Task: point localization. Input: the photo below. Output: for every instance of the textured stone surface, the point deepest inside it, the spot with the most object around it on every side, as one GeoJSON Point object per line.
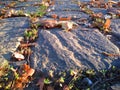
{"type": "Point", "coordinates": [57, 49]}
{"type": "Point", "coordinates": [10, 30]}
{"type": "Point", "coordinates": [80, 48]}
{"type": "Point", "coordinates": [115, 25]}
{"type": "Point", "coordinates": [77, 49]}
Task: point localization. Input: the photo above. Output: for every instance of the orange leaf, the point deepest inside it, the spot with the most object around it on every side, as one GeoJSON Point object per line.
{"type": "Point", "coordinates": [65, 18]}
{"type": "Point", "coordinates": [26, 67]}
{"type": "Point", "coordinates": [18, 85]}
{"type": "Point", "coordinates": [30, 72]}
{"type": "Point", "coordinates": [107, 24]}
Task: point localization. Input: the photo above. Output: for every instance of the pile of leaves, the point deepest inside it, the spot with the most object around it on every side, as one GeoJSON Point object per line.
{"type": "Point", "coordinates": [16, 78]}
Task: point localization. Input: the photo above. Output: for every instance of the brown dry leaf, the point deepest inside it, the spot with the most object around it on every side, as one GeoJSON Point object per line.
{"type": "Point", "coordinates": [67, 25]}
{"type": "Point", "coordinates": [28, 71]}
{"type": "Point", "coordinates": [18, 85]}
{"type": "Point", "coordinates": [97, 15]}
{"type": "Point", "coordinates": [65, 18]}
{"type": "Point", "coordinates": [27, 44]}
{"type": "Point", "coordinates": [26, 67]}
{"type": "Point", "coordinates": [48, 23]}
{"type": "Point", "coordinates": [23, 79]}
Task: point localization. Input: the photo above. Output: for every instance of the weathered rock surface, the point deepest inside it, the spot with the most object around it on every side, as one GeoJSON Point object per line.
{"type": "Point", "coordinates": [115, 25]}
{"type": "Point", "coordinates": [57, 49]}
{"type": "Point", "coordinates": [10, 30]}
{"type": "Point", "coordinates": [80, 48]}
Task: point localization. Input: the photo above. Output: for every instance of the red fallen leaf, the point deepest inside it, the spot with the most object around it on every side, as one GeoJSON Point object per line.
{"type": "Point", "coordinates": [41, 83]}
{"type": "Point", "coordinates": [18, 56]}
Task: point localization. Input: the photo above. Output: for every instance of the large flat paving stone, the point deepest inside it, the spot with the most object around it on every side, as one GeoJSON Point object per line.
{"type": "Point", "coordinates": [10, 30]}
{"type": "Point", "coordinates": [81, 48]}
{"type": "Point", "coordinates": [115, 25]}
{"type": "Point", "coordinates": [59, 50]}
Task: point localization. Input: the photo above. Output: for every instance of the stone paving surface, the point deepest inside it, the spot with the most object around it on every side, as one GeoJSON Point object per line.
{"type": "Point", "coordinates": [80, 48]}
{"type": "Point", "coordinates": [10, 30]}
{"type": "Point", "coordinates": [57, 49]}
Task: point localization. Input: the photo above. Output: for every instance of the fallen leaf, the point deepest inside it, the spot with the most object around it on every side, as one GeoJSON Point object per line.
{"type": "Point", "coordinates": [18, 56]}
{"type": "Point", "coordinates": [106, 26]}
{"type": "Point", "coordinates": [97, 15]}
{"type": "Point", "coordinates": [64, 18]}
{"type": "Point", "coordinates": [67, 25]}
{"type": "Point", "coordinates": [30, 72]}
{"type": "Point", "coordinates": [18, 85]}
{"type": "Point", "coordinates": [27, 44]}
{"type": "Point", "coordinates": [26, 67]}
{"type": "Point", "coordinates": [48, 23]}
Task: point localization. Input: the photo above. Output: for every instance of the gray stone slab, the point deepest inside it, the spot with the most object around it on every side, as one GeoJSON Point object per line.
{"type": "Point", "coordinates": [10, 30]}
{"type": "Point", "coordinates": [115, 26]}
{"type": "Point", "coordinates": [77, 49]}
{"type": "Point", "coordinates": [59, 50]}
